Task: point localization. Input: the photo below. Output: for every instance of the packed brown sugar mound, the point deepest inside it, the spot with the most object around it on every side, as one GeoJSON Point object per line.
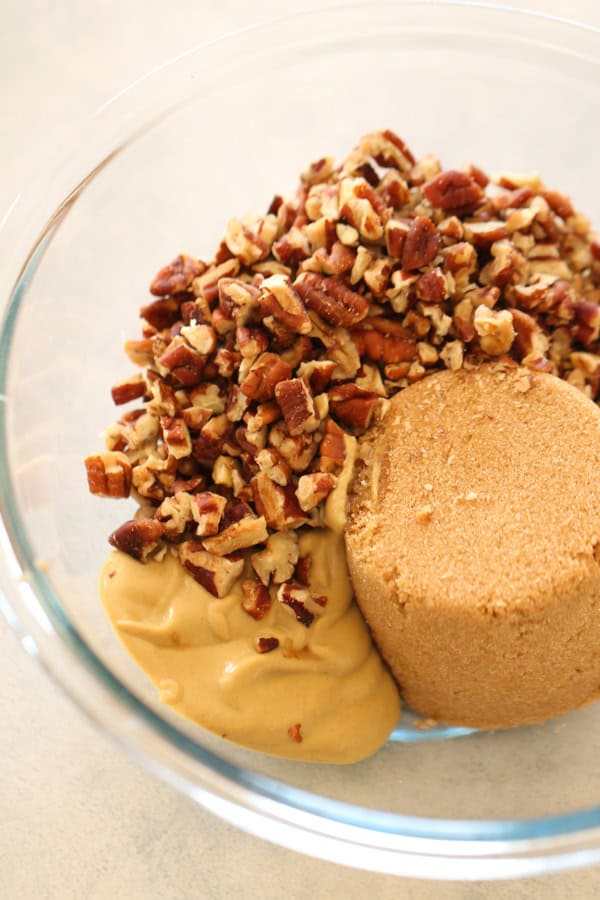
{"type": "Point", "coordinates": [474, 545]}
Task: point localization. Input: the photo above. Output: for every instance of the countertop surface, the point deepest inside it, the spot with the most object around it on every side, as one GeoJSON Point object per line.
{"type": "Point", "coordinates": [78, 819]}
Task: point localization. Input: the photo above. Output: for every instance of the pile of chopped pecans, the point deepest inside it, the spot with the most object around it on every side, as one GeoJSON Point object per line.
{"type": "Point", "coordinates": [261, 365]}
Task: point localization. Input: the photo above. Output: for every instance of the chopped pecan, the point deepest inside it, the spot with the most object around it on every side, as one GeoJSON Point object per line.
{"type": "Point", "coordinates": [217, 574]}
{"type": "Point", "coordinates": [421, 244]}
{"type": "Point", "coordinates": [302, 570]}
{"type": "Point", "coordinates": [207, 510]}
{"type": "Point", "coordinates": [299, 601]}
{"type": "Point", "coordinates": [256, 599]}
{"type": "Point", "coordinates": [295, 732]}
{"type": "Point", "coordinates": [495, 330]}
{"type": "Point", "coordinates": [353, 405]}
{"type": "Point", "coordinates": [292, 248]}
{"type": "Point", "coordinates": [161, 314]}
{"type": "Point", "coordinates": [243, 243]}
{"type": "Point", "coordinates": [271, 463]}
{"type": "Point", "coordinates": [130, 389]}
{"type": "Point", "coordinates": [266, 644]}
{"type": "Point", "coordinates": [177, 276]}
{"type": "Point", "coordinates": [297, 450]}
{"type": "Point", "coordinates": [175, 513]}
{"type": "Point", "coordinates": [268, 370]}
{"type": "Point", "coordinates": [384, 347]}
{"type": "Point", "coordinates": [362, 208]}
{"type": "Point", "coordinates": [140, 352]}
{"type": "Point", "coordinates": [279, 299]}
{"type": "Point", "coordinates": [247, 532]}
{"type": "Point", "coordinates": [453, 190]}
{"type": "Point", "coordinates": [277, 504]}
{"type": "Point", "coordinates": [431, 287]}
{"type": "Point", "coordinates": [201, 337]}
{"type": "Point", "coordinates": [313, 488]}
{"type": "Point", "coordinates": [176, 436]}
{"type": "Point", "coordinates": [237, 299]}
{"type": "Point", "coordinates": [507, 266]}
{"type": "Point", "coordinates": [529, 338]}
{"type": "Point", "coordinates": [138, 538]}
{"type": "Point", "coordinates": [317, 373]}
{"type": "Point", "coordinates": [109, 474]}
{"type": "Point", "coordinates": [207, 284]}
{"type": "Point", "coordinates": [332, 300]}
{"type": "Point", "coordinates": [332, 450]}
{"type": "Point", "coordinates": [587, 321]}
{"type": "Point", "coordinates": [278, 560]}
{"type": "Point", "coordinates": [185, 364]}
{"type": "Point", "coordinates": [296, 403]}
{"type": "Point", "coordinates": [212, 436]}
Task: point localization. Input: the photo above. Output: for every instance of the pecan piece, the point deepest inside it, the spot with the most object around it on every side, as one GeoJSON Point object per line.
{"type": "Point", "coordinates": [140, 352]}
{"type": "Point", "coordinates": [109, 474]}
{"type": "Point", "coordinates": [201, 337]}
{"type": "Point", "coordinates": [176, 436]}
{"type": "Point", "coordinates": [495, 330]}
{"type": "Point", "coordinates": [362, 208]}
{"type": "Point", "coordinates": [353, 405]}
{"type": "Point", "coordinates": [256, 599]}
{"type": "Point", "coordinates": [213, 435]}
{"type": "Point", "coordinates": [184, 364]}
{"type": "Point", "coordinates": [247, 246]}
{"type": "Point", "coordinates": [130, 389]}
{"type": "Point", "coordinates": [161, 314]}
{"type": "Point", "coordinates": [267, 371]}
{"type": "Point", "coordinates": [331, 299]}
{"type": "Point", "coordinates": [279, 299]}
{"type": "Point", "coordinates": [266, 644]}
{"type": "Point", "coordinates": [271, 463]}
{"type": "Point", "coordinates": [296, 403]}
{"type": "Point", "coordinates": [298, 600]}
{"type": "Point", "coordinates": [207, 284]}
{"type": "Point", "coordinates": [277, 504]}
{"type": "Point", "coordinates": [138, 538]}
{"type": "Point", "coordinates": [237, 299]}
{"type": "Point", "coordinates": [207, 509]}
{"type": "Point", "coordinates": [431, 287]}
{"type": "Point", "coordinates": [278, 560]}
{"type": "Point", "coordinates": [247, 532]}
{"type": "Point", "coordinates": [453, 190]}
{"type": "Point", "coordinates": [421, 244]}
{"type": "Point", "coordinates": [177, 276]}
{"type": "Point", "coordinates": [332, 449]}
{"type": "Point", "coordinates": [313, 488]}
{"type": "Point", "coordinates": [217, 574]}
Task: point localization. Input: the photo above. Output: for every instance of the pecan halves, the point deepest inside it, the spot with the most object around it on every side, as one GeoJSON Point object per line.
{"type": "Point", "coordinates": [109, 474]}
{"type": "Point", "coordinates": [331, 299]}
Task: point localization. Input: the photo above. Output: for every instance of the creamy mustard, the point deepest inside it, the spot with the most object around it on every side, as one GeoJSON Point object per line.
{"type": "Point", "coordinates": [322, 695]}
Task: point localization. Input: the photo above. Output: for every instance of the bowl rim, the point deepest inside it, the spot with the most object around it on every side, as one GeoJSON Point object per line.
{"type": "Point", "coordinates": [294, 817]}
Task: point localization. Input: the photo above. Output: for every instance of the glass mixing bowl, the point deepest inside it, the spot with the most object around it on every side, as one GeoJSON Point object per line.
{"type": "Point", "coordinates": [160, 169]}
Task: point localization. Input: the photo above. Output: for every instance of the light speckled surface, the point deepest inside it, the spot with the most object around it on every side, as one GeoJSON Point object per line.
{"type": "Point", "coordinates": [78, 819]}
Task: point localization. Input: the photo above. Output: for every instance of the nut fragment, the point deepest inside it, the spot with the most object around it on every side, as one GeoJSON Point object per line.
{"type": "Point", "coordinates": [247, 532]}
{"type": "Point", "coordinates": [138, 538]}
{"type": "Point", "coordinates": [109, 474]}
{"type": "Point", "coordinates": [296, 403]}
{"type": "Point", "coordinates": [217, 574]}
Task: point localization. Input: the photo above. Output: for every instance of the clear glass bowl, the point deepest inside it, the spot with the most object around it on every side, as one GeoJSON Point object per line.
{"type": "Point", "coordinates": [160, 169]}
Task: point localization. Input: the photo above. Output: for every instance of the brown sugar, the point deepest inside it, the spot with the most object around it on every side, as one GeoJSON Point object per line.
{"type": "Point", "coordinates": [487, 609]}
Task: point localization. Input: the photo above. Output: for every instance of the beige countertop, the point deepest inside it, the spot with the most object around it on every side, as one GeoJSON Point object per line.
{"type": "Point", "coordinates": [77, 818]}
